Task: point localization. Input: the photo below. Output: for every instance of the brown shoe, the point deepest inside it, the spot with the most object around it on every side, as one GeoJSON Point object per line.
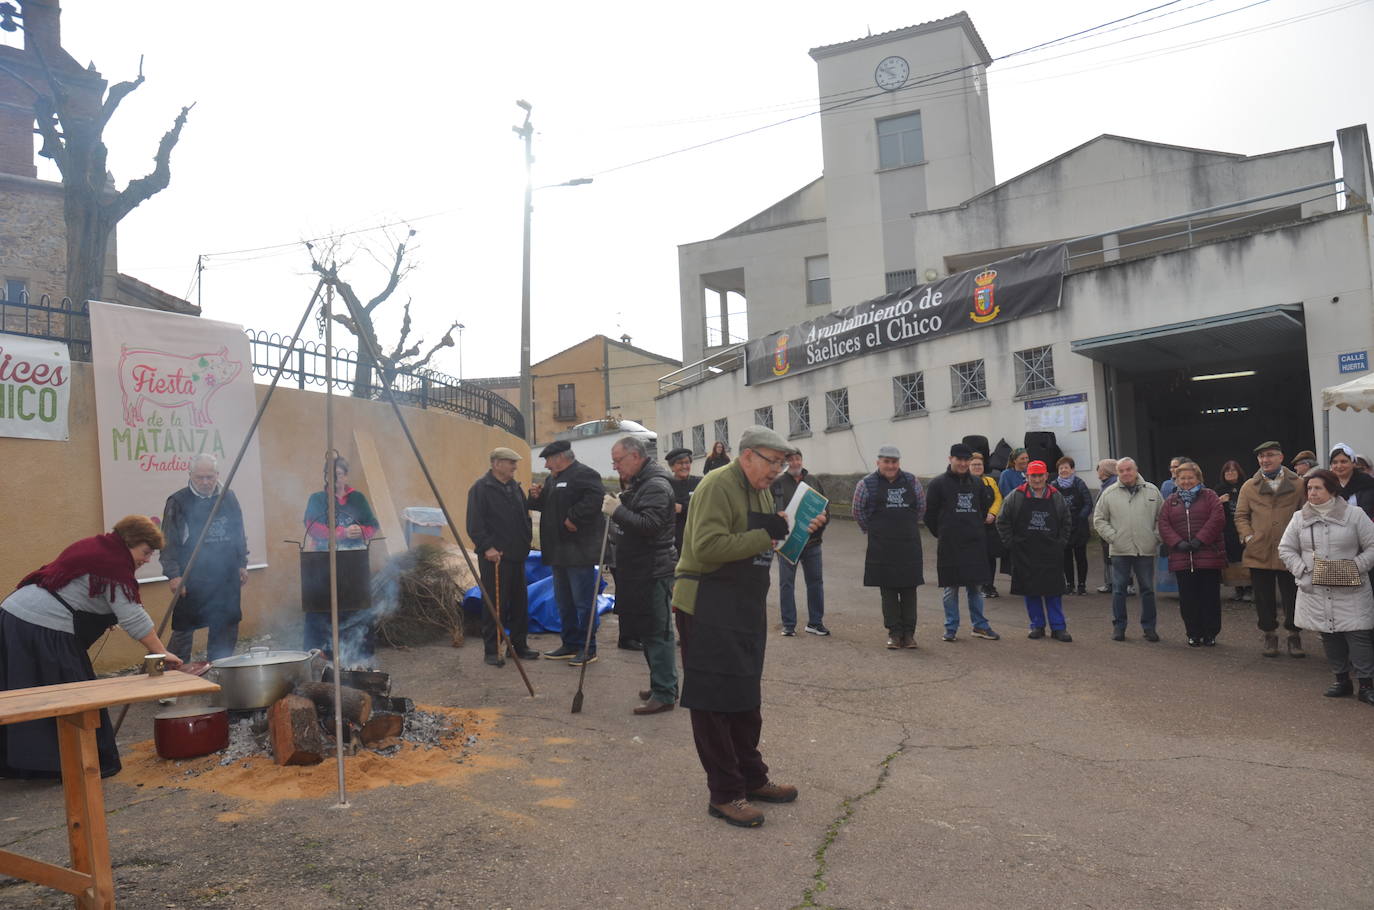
{"type": "Point", "coordinates": [1295, 645]}
{"type": "Point", "coordinates": [736, 812]}
{"type": "Point", "coordinates": [654, 706]}
{"type": "Point", "coordinates": [774, 793]}
{"type": "Point", "coordinates": [909, 641]}
{"type": "Point", "coordinates": [894, 641]}
{"type": "Point", "coordinates": [1271, 644]}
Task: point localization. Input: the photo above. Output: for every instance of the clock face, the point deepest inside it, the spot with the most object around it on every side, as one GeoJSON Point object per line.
{"type": "Point", "coordinates": [892, 73]}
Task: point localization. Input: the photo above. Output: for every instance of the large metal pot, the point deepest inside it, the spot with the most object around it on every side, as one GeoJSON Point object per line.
{"type": "Point", "coordinates": [259, 677]}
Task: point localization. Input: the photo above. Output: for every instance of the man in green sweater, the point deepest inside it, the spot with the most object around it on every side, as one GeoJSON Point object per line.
{"type": "Point", "coordinates": [719, 596]}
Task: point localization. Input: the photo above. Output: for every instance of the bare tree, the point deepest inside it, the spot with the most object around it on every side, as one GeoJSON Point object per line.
{"type": "Point", "coordinates": [401, 357]}
{"type": "Point", "coordinates": [72, 115]}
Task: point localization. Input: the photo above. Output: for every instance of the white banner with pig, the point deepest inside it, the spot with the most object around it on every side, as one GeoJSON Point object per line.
{"type": "Point", "coordinates": [169, 387]}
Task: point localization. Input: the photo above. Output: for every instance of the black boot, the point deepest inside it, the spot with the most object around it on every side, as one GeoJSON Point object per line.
{"type": "Point", "coordinates": [1341, 687]}
{"type": "Point", "coordinates": [1366, 691]}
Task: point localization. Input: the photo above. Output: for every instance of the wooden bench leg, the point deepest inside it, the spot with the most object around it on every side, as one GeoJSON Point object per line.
{"type": "Point", "coordinates": [85, 804]}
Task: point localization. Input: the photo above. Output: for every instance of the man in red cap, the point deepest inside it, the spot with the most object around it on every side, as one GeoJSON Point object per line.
{"type": "Point", "coordinates": [1034, 524]}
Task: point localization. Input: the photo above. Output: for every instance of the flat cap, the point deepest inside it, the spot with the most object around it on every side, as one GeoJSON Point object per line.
{"type": "Point", "coordinates": [1305, 455]}
{"type": "Point", "coordinates": [959, 450]}
{"type": "Point", "coordinates": [1266, 446]}
{"type": "Point", "coordinates": [555, 448]}
{"type": "Point", "coordinates": [889, 452]}
{"type": "Point", "coordinates": [675, 454]}
{"type": "Point", "coordinates": [504, 453]}
{"type": "Point", "coordinates": [757, 437]}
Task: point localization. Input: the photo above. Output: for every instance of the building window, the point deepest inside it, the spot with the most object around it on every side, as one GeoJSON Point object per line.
{"type": "Point", "coordinates": [698, 440]}
{"type": "Point", "coordinates": [899, 141]}
{"type": "Point", "coordinates": [909, 394]}
{"type": "Point", "coordinates": [677, 440]}
{"type": "Point", "coordinates": [764, 416]}
{"type": "Point", "coordinates": [818, 280]}
{"type": "Point", "coordinates": [836, 409]}
{"type": "Point", "coordinates": [799, 416]}
{"type": "Point", "coordinates": [566, 408]}
{"type": "Point", "coordinates": [721, 431]}
{"type": "Point", "coordinates": [16, 291]}
{"type": "Point", "coordinates": [1034, 371]}
{"type": "Point", "coordinates": [901, 279]}
{"type": "Point", "coordinates": [970, 382]}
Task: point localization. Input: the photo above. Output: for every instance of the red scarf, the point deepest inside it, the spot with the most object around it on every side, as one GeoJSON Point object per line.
{"type": "Point", "coordinates": [105, 558]}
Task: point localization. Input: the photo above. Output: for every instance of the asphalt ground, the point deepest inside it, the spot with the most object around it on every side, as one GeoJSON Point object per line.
{"type": "Point", "coordinates": [971, 774]}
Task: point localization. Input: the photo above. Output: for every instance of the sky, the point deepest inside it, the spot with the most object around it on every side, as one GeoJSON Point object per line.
{"type": "Point", "coordinates": [336, 119]}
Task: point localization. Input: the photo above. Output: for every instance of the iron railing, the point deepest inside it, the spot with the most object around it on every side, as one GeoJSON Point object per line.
{"type": "Point", "coordinates": [422, 388]}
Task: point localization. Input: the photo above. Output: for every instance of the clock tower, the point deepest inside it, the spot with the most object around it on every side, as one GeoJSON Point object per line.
{"type": "Point", "coordinates": [904, 128]}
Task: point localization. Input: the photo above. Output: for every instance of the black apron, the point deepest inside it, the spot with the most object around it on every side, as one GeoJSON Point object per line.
{"type": "Point", "coordinates": [1037, 557]}
{"type": "Point", "coordinates": [723, 664]}
{"type": "Point", "coordinates": [893, 558]}
{"type": "Point", "coordinates": [213, 588]}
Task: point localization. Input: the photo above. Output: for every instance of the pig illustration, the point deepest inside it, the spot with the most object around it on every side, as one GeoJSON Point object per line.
{"type": "Point", "coordinates": [173, 381]}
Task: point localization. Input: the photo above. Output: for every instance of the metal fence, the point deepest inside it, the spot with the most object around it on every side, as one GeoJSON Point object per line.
{"type": "Point", "coordinates": [421, 388]}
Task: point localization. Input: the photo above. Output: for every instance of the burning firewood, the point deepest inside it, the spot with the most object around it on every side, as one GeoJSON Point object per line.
{"type": "Point", "coordinates": [357, 705]}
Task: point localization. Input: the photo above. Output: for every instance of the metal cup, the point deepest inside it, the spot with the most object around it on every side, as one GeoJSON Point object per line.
{"type": "Point", "coordinates": [152, 664]}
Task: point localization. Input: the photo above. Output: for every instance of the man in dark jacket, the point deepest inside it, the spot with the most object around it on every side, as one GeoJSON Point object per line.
{"type": "Point", "coordinates": [957, 512]}
{"type": "Point", "coordinates": [570, 533]}
{"type": "Point", "coordinates": [810, 560]}
{"type": "Point", "coordinates": [211, 598]}
{"type": "Point", "coordinates": [888, 506]}
{"type": "Point", "coordinates": [684, 485]}
{"type": "Point", "coordinates": [1034, 525]}
{"type": "Point", "coordinates": [642, 525]}
{"type": "Point", "coordinates": [500, 528]}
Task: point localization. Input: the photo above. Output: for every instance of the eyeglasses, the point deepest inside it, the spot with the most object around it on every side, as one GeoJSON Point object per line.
{"type": "Point", "coordinates": [777, 463]}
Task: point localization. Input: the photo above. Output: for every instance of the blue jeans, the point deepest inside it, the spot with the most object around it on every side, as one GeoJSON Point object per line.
{"type": "Point", "coordinates": [572, 589]}
{"type": "Point", "coordinates": [220, 643]}
{"type": "Point", "coordinates": [1144, 569]}
{"type": "Point", "coordinates": [975, 608]}
{"type": "Point", "coordinates": [810, 563]}
{"type": "Point", "coordinates": [1037, 607]}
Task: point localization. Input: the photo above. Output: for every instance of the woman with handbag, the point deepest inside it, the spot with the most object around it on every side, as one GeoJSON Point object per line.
{"type": "Point", "coordinates": [1329, 548]}
{"type": "Point", "coordinates": [53, 616]}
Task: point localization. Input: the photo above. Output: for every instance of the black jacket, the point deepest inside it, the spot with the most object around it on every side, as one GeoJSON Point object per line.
{"type": "Point", "coordinates": [497, 517]}
{"type": "Point", "coordinates": [682, 493]}
{"type": "Point", "coordinates": [784, 488]}
{"type": "Point", "coordinates": [574, 495]}
{"type": "Point", "coordinates": [643, 526]}
{"type": "Point", "coordinates": [956, 513]}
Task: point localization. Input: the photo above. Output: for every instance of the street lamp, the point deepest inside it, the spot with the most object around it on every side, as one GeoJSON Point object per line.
{"type": "Point", "coordinates": [526, 132]}
{"type": "Point", "coordinates": [460, 351]}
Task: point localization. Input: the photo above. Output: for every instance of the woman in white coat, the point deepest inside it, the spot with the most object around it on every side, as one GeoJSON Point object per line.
{"type": "Point", "coordinates": [1328, 527]}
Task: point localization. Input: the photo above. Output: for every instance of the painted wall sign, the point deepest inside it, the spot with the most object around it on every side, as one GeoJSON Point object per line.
{"type": "Point", "coordinates": [1005, 290]}
{"type": "Point", "coordinates": [169, 387]}
{"type": "Point", "coordinates": [1353, 362]}
{"type": "Point", "coordinates": [35, 387]}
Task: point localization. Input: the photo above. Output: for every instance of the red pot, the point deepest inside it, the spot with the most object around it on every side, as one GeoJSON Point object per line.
{"type": "Point", "coordinates": [190, 731]}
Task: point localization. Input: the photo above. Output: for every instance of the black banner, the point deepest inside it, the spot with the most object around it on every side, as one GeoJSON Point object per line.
{"type": "Point", "coordinates": [1008, 289]}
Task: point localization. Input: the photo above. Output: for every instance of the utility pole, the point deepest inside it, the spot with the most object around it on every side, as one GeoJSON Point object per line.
{"type": "Point", "coordinates": [526, 132]}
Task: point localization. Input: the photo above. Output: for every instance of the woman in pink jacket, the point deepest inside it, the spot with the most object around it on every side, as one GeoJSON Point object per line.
{"type": "Point", "coordinates": [1192, 525]}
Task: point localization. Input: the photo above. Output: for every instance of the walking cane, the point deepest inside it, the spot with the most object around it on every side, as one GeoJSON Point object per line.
{"type": "Point", "coordinates": [500, 623]}
{"type": "Point", "coordinates": [591, 620]}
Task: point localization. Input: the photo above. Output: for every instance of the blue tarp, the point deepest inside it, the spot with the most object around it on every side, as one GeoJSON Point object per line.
{"type": "Point", "coordinates": [543, 607]}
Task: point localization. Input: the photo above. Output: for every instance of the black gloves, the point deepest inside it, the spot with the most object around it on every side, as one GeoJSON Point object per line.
{"type": "Point", "coordinates": [1191, 545]}
{"type": "Point", "coordinates": [776, 526]}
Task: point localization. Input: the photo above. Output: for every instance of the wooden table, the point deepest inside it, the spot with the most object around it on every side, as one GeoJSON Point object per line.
{"type": "Point", "coordinates": [76, 706]}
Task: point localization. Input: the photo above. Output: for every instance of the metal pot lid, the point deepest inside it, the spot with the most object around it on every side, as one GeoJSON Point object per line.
{"type": "Point", "coordinates": [261, 659]}
{"type": "Point", "coordinates": [187, 711]}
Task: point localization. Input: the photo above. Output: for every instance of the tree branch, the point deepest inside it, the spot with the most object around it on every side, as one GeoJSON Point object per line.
{"type": "Point", "coordinates": [405, 331]}
{"type": "Point", "coordinates": [445, 342]}
{"type": "Point", "coordinates": [395, 278]}
{"type": "Point", "coordinates": [117, 94]}
{"type": "Point", "coordinates": [145, 187]}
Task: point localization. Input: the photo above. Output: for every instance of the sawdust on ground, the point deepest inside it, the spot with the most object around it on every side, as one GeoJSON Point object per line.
{"type": "Point", "coordinates": [260, 780]}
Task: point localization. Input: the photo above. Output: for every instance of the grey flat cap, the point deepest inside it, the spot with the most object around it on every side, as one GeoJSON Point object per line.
{"type": "Point", "coordinates": [501, 452]}
{"type": "Point", "coordinates": [889, 452]}
{"type": "Point", "coordinates": [757, 437]}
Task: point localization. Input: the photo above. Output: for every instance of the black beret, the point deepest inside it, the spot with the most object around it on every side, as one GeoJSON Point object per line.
{"type": "Point", "coordinates": [555, 448]}
{"type": "Point", "coordinates": [959, 450]}
{"type": "Point", "coordinates": [675, 454]}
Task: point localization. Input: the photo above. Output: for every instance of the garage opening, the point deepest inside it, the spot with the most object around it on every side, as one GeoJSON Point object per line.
{"type": "Point", "coordinates": [1212, 388]}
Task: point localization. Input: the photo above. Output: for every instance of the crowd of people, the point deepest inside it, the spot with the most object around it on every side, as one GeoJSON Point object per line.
{"type": "Point", "coordinates": [692, 558]}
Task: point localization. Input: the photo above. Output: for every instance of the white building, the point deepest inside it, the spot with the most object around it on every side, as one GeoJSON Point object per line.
{"type": "Point", "coordinates": [1183, 263]}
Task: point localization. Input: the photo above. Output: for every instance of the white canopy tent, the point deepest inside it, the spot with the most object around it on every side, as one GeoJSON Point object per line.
{"type": "Point", "coordinates": [1355, 395]}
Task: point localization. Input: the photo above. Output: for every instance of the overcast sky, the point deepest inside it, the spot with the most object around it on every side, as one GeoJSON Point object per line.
{"type": "Point", "coordinates": [315, 118]}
